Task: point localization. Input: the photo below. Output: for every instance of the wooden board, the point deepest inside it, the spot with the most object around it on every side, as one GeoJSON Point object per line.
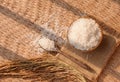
{"type": "Point", "coordinates": [90, 64]}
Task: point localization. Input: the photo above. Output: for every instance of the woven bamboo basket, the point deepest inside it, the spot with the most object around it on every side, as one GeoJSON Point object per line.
{"type": "Point", "coordinates": [23, 22]}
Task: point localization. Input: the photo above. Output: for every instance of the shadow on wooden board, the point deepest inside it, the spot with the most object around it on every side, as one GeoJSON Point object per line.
{"type": "Point", "coordinates": [91, 63]}
{"type": "Point", "coordinates": [116, 1]}
{"type": "Point", "coordinates": [9, 55]}
{"type": "Point", "coordinates": [99, 55]}
{"type": "Point", "coordinates": [113, 68]}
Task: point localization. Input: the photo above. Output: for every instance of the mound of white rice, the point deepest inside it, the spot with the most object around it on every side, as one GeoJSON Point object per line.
{"type": "Point", "coordinates": [47, 44]}
{"type": "Point", "coordinates": [85, 34]}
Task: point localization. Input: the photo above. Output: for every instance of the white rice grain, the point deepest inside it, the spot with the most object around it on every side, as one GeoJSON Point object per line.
{"type": "Point", "coordinates": [84, 34]}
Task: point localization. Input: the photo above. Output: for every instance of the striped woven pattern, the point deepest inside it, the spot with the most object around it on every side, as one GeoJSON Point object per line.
{"type": "Point", "coordinates": [22, 23]}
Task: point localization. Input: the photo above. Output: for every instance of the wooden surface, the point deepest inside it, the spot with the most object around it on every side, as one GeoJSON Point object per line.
{"type": "Point", "coordinates": [21, 22]}
{"type": "Point", "coordinates": [91, 63]}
